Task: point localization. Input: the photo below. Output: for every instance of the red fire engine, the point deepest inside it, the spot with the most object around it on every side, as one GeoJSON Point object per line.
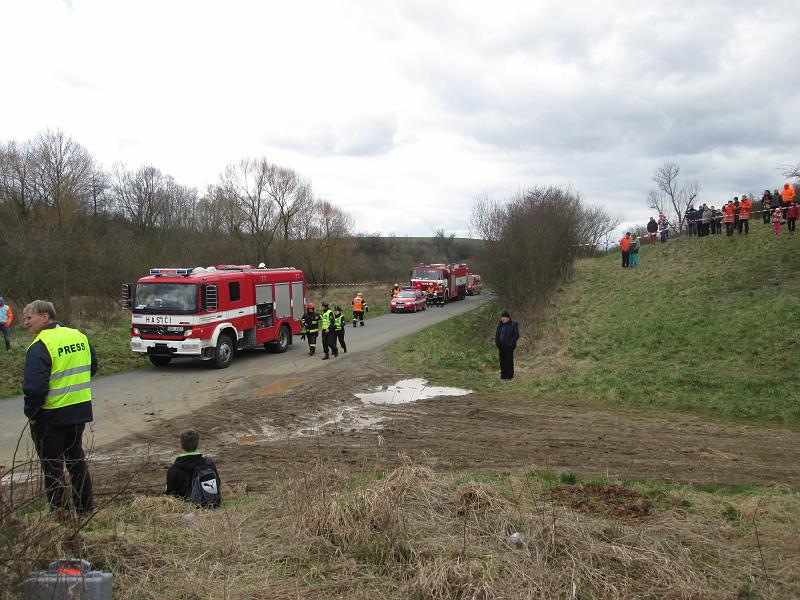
{"type": "Point", "coordinates": [451, 278]}
{"type": "Point", "coordinates": [211, 313]}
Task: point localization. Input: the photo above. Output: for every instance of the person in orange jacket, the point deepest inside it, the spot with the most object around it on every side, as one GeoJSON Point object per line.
{"type": "Point", "coordinates": [359, 308]}
{"type": "Point", "coordinates": [787, 197]}
{"type": "Point", "coordinates": [6, 318]}
{"type": "Point", "coordinates": [625, 248]}
{"type": "Point", "coordinates": [745, 206]}
{"type": "Point", "coordinates": [729, 212]}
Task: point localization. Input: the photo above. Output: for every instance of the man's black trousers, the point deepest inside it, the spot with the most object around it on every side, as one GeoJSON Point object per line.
{"type": "Point", "coordinates": [329, 342]}
{"type": "Point", "coordinates": [506, 364]}
{"type": "Point", "coordinates": [56, 446]}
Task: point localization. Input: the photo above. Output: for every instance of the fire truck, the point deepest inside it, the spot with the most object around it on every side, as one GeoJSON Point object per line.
{"type": "Point", "coordinates": [211, 313]}
{"type": "Point", "coordinates": [451, 277]}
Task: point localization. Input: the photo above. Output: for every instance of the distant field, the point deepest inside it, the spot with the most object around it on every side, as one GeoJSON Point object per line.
{"type": "Point", "coordinates": [704, 325]}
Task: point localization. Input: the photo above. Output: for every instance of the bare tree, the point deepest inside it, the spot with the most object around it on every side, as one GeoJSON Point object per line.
{"type": "Point", "coordinates": [443, 243]}
{"type": "Point", "coordinates": [289, 193]}
{"type": "Point", "coordinates": [63, 174]}
{"type": "Point", "coordinates": [16, 173]}
{"type": "Point", "coordinates": [321, 226]}
{"type": "Point", "coordinates": [596, 225]}
{"type": "Point", "coordinates": [790, 171]}
{"type": "Point", "coordinates": [141, 196]}
{"type": "Point", "coordinates": [244, 186]}
{"type": "Point", "coordinates": [670, 193]}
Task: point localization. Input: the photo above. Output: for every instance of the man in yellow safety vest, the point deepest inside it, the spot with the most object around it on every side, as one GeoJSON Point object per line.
{"type": "Point", "coordinates": [328, 328]}
{"type": "Point", "coordinates": [59, 365]}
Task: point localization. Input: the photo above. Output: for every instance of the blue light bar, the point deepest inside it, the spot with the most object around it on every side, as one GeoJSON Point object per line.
{"type": "Point", "coordinates": [162, 271]}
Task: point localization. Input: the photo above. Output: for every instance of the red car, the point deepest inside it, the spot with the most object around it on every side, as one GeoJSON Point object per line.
{"type": "Point", "coordinates": [473, 284]}
{"type": "Point", "coordinates": [408, 301]}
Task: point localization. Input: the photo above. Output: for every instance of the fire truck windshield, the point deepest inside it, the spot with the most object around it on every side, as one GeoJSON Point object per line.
{"type": "Point", "coordinates": [174, 298]}
{"type": "Point", "coordinates": [426, 274]}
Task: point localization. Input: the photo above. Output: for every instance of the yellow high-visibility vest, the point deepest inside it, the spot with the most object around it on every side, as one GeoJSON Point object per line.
{"type": "Point", "coordinates": [71, 373]}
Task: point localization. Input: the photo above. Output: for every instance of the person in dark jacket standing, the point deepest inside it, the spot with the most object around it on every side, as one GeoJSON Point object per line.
{"type": "Point", "coordinates": [59, 365]}
{"type": "Point", "coordinates": [652, 229]}
{"type": "Point", "coordinates": [505, 338]}
{"type": "Point", "coordinates": [766, 201]}
{"type": "Point", "coordinates": [180, 477]}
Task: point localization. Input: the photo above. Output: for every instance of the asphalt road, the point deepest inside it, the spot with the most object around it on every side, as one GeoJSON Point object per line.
{"type": "Point", "coordinates": [131, 402]}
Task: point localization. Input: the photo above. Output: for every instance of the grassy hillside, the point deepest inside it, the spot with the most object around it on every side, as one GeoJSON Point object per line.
{"type": "Point", "coordinates": [707, 325]}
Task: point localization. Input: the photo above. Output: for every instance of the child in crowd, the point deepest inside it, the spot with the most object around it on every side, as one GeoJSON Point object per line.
{"type": "Point", "coordinates": [634, 250]}
{"type": "Point", "coordinates": [194, 477]}
{"type": "Point", "coordinates": [776, 220]}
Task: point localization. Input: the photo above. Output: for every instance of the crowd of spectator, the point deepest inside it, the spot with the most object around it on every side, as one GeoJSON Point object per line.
{"type": "Point", "coordinates": [776, 207]}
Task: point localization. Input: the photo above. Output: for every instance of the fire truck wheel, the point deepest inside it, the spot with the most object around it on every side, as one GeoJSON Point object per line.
{"type": "Point", "coordinates": [224, 352]}
{"type": "Point", "coordinates": [160, 361]}
{"type": "Point", "coordinates": [282, 343]}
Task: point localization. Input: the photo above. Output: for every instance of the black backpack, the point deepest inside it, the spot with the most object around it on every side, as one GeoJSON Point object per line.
{"type": "Point", "coordinates": [206, 486]}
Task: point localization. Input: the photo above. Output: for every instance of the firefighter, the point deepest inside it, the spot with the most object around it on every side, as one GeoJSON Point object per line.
{"type": "Point", "coordinates": [440, 295]}
{"type": "Point", "coordinates": [328, 332]}
{"type": "Point", "coordinates": [339, 327]}
{"type": "Point", "coordinates": [310, 329]}
{"type": "Point", "coordinates": [395, 290]}
{"type": "Point", "coordinates": [360, 306]}
{"type": "Point", "coordinates": [430, 295]}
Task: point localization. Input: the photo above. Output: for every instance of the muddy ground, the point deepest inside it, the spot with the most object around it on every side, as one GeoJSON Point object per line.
{"type": "Point", "coordinates": [292, 424]}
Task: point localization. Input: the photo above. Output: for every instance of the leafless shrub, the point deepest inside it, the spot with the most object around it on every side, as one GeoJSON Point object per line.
{"type": "Point", "coordinates": [532, 245]}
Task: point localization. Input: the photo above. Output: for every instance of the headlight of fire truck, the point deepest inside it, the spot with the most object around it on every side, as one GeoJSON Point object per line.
{"type": "Point", "coordinates": [135, 331]}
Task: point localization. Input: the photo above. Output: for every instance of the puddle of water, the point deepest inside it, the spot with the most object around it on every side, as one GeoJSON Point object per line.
{"type": "Point", "coordinates": [279, 386]}
{"type": "Point", "coordinates": [347, 419]}
{"type": "Point", "coordinates": [408, 390]}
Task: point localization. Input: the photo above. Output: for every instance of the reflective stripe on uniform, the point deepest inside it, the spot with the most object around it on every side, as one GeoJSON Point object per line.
{"type": "Point", "coordinates": [71, 371]}
{"type": "Point", "coordinates": [69, 389]}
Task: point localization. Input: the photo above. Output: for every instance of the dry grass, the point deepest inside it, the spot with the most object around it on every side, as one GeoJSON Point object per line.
{"type": "Point", "coordinates": [417, 534]}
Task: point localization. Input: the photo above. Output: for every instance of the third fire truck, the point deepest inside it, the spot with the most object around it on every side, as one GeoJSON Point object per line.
{"type": "Point", "coordinates": [211, 313]}
{"type": "Point", "coordinates": [452, 278]}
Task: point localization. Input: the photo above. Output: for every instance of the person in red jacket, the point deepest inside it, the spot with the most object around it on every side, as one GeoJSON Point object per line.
{"type": "Point", "coordinates": [745, 206]}
{"type": "Point", "coordinates": [729, 212]}
{"type": "Point", "coordinates": [791, 216]}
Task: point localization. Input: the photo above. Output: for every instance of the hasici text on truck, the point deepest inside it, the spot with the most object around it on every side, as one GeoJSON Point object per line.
{"type": "Point", "coordinates": [451, 277]}
{"type": "Point", "coordinates": [213, 313]}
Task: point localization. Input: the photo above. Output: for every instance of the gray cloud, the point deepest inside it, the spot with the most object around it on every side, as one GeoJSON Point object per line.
{"type": "Point", "coordinates": [365, 136]}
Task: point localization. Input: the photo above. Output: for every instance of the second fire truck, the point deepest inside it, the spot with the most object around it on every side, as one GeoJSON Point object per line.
{"type": "Point", "coordinates": [452, 278]}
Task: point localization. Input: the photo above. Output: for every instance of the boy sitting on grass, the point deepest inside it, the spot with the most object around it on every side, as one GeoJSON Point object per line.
{"type": "Point", "coordinates": [194, 477]}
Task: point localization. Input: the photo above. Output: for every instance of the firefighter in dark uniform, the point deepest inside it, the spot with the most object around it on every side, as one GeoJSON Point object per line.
{"type": "Point", "coordinates": [328, 332]}
{"type": "Point", "coordinates": [310, 328]}
{"type": "Point", "coordinates": [339, 326]}
{"type": "Point", "coordinates": [440, 295]}
{"type": "Point", "coordinates": [59, 365]}
{"type": "Point", "coordinates": [430, 295]}
{"type": "Point", "coordinates": [359, 308]}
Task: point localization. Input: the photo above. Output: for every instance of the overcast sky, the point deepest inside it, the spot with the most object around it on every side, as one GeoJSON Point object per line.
{"type": "Point", "coordinates": [402, 113]}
